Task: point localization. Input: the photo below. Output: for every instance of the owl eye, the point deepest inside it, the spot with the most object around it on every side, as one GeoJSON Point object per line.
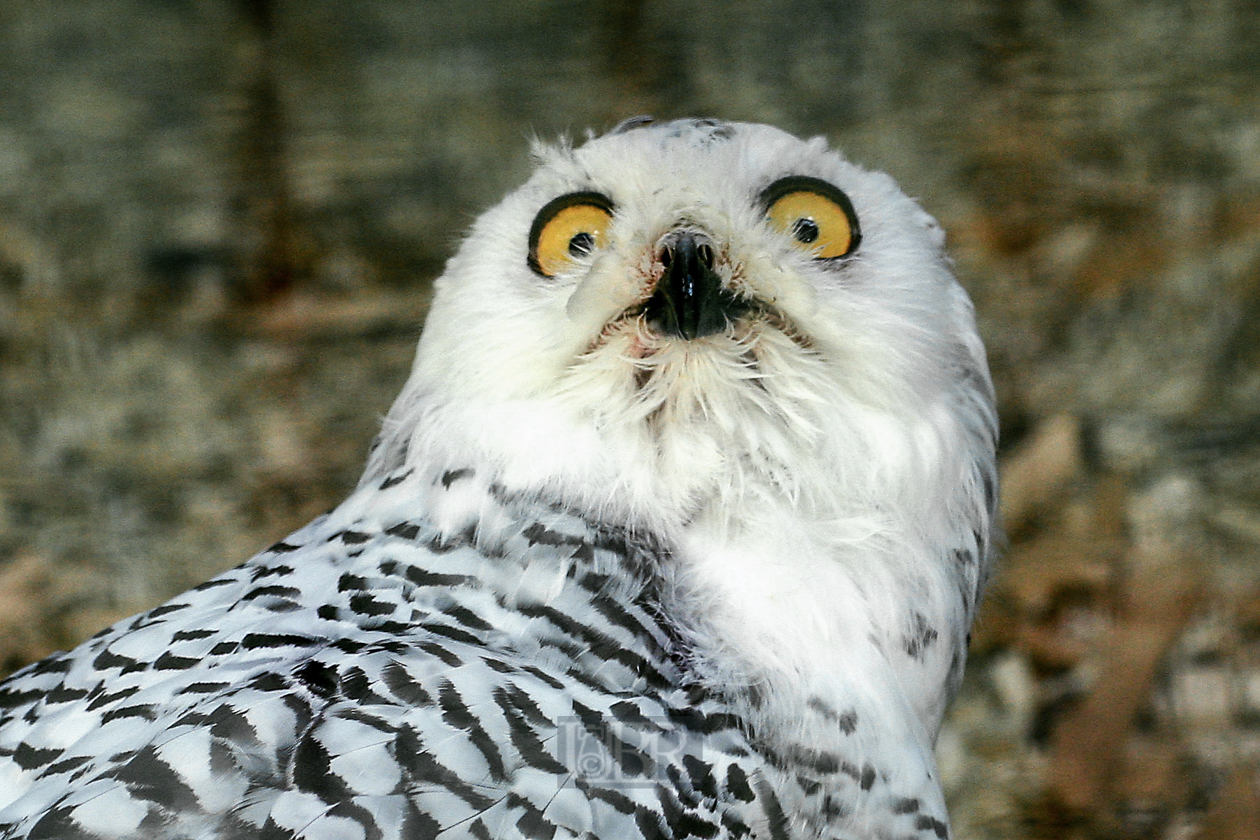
{"type": "Point", "coordinates": [567, 228]}
{"type": "Point", "coordinates": [814, 213]}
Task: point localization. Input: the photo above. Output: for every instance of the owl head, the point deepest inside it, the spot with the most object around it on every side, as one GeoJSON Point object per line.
{"type": "Point", "coordinates": [675, 319]}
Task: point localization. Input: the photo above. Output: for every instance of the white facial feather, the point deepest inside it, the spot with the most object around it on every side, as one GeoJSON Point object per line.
{"type": "Point", "coordinates": [822, 470]}
{"type": "Point", "coordinates": [887, 333]}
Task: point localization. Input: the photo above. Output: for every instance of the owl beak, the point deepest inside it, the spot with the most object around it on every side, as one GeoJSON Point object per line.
{"type": "Point", "coordinates": [690, 301]}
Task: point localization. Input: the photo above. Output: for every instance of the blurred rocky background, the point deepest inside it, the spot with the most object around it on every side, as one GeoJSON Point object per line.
{"type": "Point", "coordinates": [219, 220]}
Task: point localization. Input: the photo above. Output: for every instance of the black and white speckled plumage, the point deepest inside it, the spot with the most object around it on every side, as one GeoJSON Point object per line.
{"type": "Point", "coordinates": [371, 677]}
{"type": "Point", "coordinates": [677, 530]}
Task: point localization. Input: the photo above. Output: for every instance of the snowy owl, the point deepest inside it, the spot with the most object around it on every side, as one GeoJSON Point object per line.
{"type": "Point", "coordinates": [676, 530]}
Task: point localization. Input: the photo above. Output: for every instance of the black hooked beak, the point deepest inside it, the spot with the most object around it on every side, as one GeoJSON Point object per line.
{"type": "Point", "coordinates": [690, 301]}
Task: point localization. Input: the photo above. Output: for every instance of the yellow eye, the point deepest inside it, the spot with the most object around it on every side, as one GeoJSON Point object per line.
{"type": "Point", "coordinates": [568, 227]}
{"type": "Point", "coordinates": [815, 213]}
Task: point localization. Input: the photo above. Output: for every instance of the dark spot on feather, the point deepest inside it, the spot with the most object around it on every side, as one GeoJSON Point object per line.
{"type": "Point", "coordinates": [406, 689]}
{"type": "Point", "coordinates": [191, 635]}
{"type": "Point", "coordinates": [28, 757]}
{"type": "Point", "coordinates": [403, 530]}
{"type": "Point", "coordinates": [170, 662]}
{"type": "Point", "coordinates": [150, 778]}
{"type": "Point", "coordinates": [737, 784]}
{"type": "Point", "coordinates": [64, 694]}
{"type": "Point", "coordinates": [921, 636]}
{"type": "Point", "coordinates": [274, 590]}
{"type": "Point", "coordinates": [203, 688]}
{"type": "Point", "coordinates": [776, 821]}
{"type": "Point", "coordinates": [451, 476]}
{"type": "Point", "coordinates": [58, 824]}
{"type": "Point", "coordinates": [452, 633]}
{"type": "Point", "coordinates": [938, 827]}
{"type": "Point", "coordinates": [141, 710]}
{"type": "Point", "coordinates": [253, 641]}
{"type": "Point", "coordinates": [230, 725]}
{"type": "Point", "coordinates": [365, 604]}
{"type": "Point", "coordinates": [318, 677]}
{"type": "Point", "coordinates": [532, 824]}
{"type": "Point", "coordinates": [393, 480]}
{"type": "Point", "coordinates": [164, 610]}
{"type": "Point", "coordinates": [313, 773]}
{"type": "Point", "coordinates": [105, 699]}
{"type": "Point", "coordinates": [260, 572]}
{"type": "Point", "coordinates": [440, 651]}
{"type": "Point", "coordinates": [108, 659]}
{"type": "Point", "coordinates": [701, 776]}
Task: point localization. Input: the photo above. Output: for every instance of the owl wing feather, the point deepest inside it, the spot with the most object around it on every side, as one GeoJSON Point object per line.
{"type": "Point", "coordinates": [370, 676]}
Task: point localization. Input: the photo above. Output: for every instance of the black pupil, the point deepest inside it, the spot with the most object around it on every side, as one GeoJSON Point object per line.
{"type": "Point", "coordinates": [581, 243]}
{"type": "Point", "coordinates": [805, 230]}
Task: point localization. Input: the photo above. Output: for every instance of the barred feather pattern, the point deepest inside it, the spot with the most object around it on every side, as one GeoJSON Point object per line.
{"type": "Point", "coordinates": [373, 677]}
